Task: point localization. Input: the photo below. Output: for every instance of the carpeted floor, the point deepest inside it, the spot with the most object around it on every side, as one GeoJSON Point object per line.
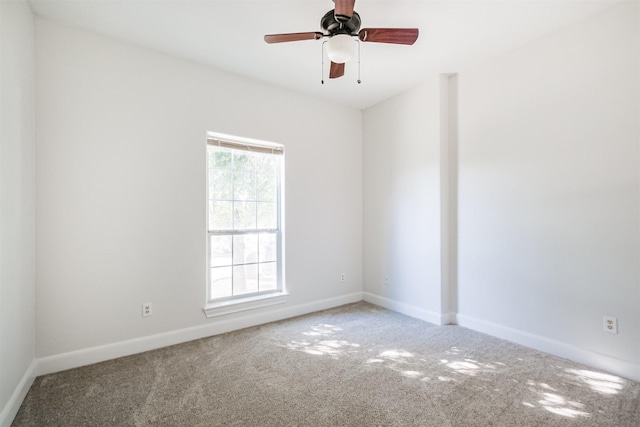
{"type": "Point", "coordinates": [356, 365]}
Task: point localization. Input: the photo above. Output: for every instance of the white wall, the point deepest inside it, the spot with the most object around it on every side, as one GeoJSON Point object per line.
{"type": "Point", "coordinates": [121, 191]}
{"type": "Point", "coordinates": [17, 192]}
{"type": "Point", "coordinates": [548, 188]}
{"type": "Point", "coordinates": [402, 202]}
{"type": "Point", "coordinates": [545, 225]}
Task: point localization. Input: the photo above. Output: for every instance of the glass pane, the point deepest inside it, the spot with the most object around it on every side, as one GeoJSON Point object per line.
{"type": "Point", "coordinates": [220, 184]}
{"type": "Point", "coordinates": [219, 158]}
{"type": "Point", "coordinates": [220, 282]}
{"type": "Point", "coordinates": [268, 247]}
{"type": "Point", "coordinates": [220, 250]}
{"type": "Point", "coordinates": [245, 279]}
{"type": "Point", "coordinates": [266, 188]}
{"type": "Point", "coordinates": [243, 196]}
{"type": "Point", "coordinates": [220, 215]}
{"type": "Point", "coordinates": [244, 162]}
{"type": "Point", "coordinates": [245, 248]}
{"type": "Point", "coordinates": [268, 276]}
{"type": "Point", "coordinates": [266, 164]}
{"type": "Point", "coordinates": [267, 215]}
{"type": "Point", "coordinates": [244, 216]}
{"type": "Point", "coordinates": [244, 186]}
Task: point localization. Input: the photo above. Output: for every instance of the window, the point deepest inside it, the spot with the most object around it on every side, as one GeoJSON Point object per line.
{"type": "Point", "coordinates": [244, 224]}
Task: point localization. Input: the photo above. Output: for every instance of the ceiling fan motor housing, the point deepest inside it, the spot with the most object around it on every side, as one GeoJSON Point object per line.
{"type": "Point", "coordinates": [341, 24]}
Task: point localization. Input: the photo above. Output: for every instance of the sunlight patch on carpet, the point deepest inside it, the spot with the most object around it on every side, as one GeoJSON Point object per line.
{"type": "Point", "coordinates": [319, 346]}
{"type": "Point", "coordinates": [597, 381]}
{"type": "Point", "coordinates": [332, 348]}
{"type": "Point", "coordinates": [468, 366]}
{"type": "Point", "coordinates": [396, 355]}
{"type": "Point", "coordinates": [322, 329]}
{"type": "Point", "coordinates": [549, 399]}
{"type": "Point", "coordinates": [412, 374]}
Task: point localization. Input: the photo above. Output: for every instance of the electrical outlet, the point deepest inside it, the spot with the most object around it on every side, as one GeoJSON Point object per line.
{"type": "Point", "coordinates": [610, 324]}
{"type": "Point", "coordinates": [147, 309]}
{"type": "Point", "coordinates": [342, 277]}
{"type": "Point", "coordinates": [386, 281]}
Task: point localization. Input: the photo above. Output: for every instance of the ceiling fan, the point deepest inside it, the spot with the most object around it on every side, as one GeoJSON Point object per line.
{"type": "Point", "coordinates": [341, 25]}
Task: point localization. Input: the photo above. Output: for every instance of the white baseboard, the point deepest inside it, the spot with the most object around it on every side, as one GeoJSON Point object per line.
{"type": "Point", "coordinates": [408, 309]}
{"type": "Point", "coordinates": [449, 319]}
{"type": "Point", "coordinates": [219, 325]}
{"type": "Point", "coordinates": [13, 405]}
{"type": "Point", "coordinates": [607, 363]}
{"type": "Point", "coordinates": [600, 361]}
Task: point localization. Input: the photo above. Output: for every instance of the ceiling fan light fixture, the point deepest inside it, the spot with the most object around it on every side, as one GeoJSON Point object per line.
{"type": "Point", "coordinates": [341, 48]}
{"type": "Point", "coordinates": [341, 27]}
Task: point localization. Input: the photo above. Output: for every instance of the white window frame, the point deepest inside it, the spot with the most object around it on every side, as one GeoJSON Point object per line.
{"type": "Point", "coordinates": [233, 304]}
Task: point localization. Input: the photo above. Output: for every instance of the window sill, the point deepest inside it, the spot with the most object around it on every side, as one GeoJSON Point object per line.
{"type": "Point", "coordinates": [250, 303]}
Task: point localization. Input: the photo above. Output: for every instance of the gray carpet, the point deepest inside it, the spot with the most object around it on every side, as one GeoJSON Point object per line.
{"type": "Point", "coordinates": [356, 365]}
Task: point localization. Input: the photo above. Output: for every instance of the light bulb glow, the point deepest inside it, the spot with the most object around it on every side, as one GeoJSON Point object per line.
{"type": "Point", "coordinates": [341, 48]}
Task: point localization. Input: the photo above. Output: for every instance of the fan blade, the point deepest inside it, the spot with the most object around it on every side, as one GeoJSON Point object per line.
{"type": "Point", "coordinates": [344, 8]}
{"type": "Point", "coordinates": [292, 37]}
{"type": "Point", "coordinates": [389, 35]}
{"type": "Point", "coordinates": [336, 70]}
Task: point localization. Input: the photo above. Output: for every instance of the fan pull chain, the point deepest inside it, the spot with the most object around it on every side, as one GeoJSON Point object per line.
{"type": "Point", "coordinates": [322, 62]}
{"type": "Point", "coordinates": [359, 81]}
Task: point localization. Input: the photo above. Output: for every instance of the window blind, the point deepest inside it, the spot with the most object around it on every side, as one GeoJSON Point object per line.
{"type": "Point", "coordinates": [246, 147]}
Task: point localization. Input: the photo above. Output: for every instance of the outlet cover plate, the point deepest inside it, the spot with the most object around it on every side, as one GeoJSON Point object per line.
{"type": "Point", "coordinates": [147, 309]}
{"type": "Point", "coordinates": [610, 324]}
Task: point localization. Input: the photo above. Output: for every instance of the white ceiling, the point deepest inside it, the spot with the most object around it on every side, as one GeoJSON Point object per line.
{"type": "Point", "coordinates": [228, 35]}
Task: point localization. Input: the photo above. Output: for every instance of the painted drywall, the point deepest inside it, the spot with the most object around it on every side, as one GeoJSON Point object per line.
{"type": "Point", "coordinates": [539, 180]}
{"type": "Point", "coordinates": [548, 236]}
{"type": "Point", "coordinates": [121, 188]}
{"type": "Point", "coordinates": [17, 211]}
{"type": "Point", "coordinates": [401, 152]}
